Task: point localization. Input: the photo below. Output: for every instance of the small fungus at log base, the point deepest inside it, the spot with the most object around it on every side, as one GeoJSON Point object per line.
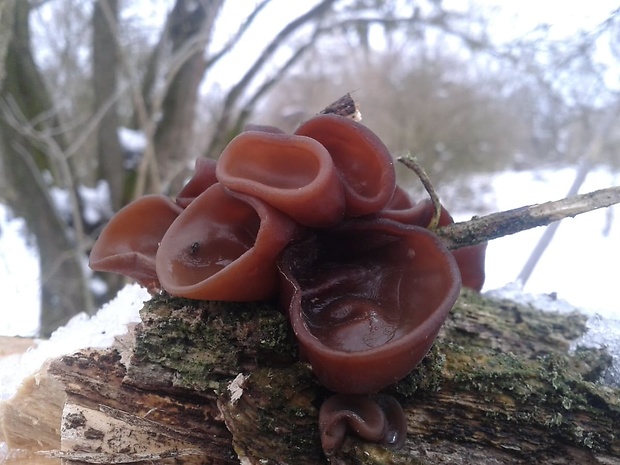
{"type": "Point", "coordinates": [379, 418]}
{"type": "Point", "coordinates": [315, 219]}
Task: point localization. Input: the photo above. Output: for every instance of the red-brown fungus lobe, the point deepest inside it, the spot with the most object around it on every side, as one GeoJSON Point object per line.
{"type": "Point", "coordinates": [378, 418]}
{"type": "Point", "coordinates": [292, 173]}
{"type": "Point", "coordinates": [366, 300]}
{"type": "Point", "coordinates": [223, 247]}
{"type": "Point", "coordinates": [401, 208]}
{"type": "Point", "coordinates": [470, 260]}
{"type": "Point", "coordinates": [128, 243]}
{"type": "Point", "coordinates": [203, 178]}
{"type": "Point", "coordinates": [363, 161]}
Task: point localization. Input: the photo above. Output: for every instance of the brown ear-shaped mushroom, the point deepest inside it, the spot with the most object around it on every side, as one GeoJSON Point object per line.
{"type": "Point", "coordinates": [128, 243]}
{"type": "Point", "coordinates": [223, 247]}
{"type": "Point", "coordinates": [470, 260]}
{"type": "Point", "coordinates": [292, 173]}
{"type": "Point", "coordinates": [203, 178]}
{"type": "Point", "coordinates": [366, 300]}
{"type": "Point", "coordinates": [378, 418]}
{"type": "Point", "coordinates": [401, 208]}
{"type": "Point", "coordinates": [363, 161]}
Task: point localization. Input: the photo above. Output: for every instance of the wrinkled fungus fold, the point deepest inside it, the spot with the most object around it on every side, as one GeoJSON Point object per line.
{"type": "Point", "coordinates": [223, 247]}
{"type": "Point", "coordinates": [378, 418]}
{"type": "Point", "coordinates": [470, 260]}
{"type": "Point", "coordinates": [366, 300]}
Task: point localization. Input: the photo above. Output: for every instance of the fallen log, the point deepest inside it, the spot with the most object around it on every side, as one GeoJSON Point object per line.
{"type": "Point", "coordinates": [214, 383]}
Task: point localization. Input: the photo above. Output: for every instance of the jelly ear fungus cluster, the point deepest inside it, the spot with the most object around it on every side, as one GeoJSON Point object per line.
{"type": "Point", "coordinates": [316, 220]}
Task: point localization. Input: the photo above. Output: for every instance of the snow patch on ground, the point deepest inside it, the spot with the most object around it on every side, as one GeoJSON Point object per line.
{"type": "Point", "coordinates": [581, 263]}
{"type": "Point", "coordinates": [81, 332]}
{"type": "Point", "coordinates": [19, 278]}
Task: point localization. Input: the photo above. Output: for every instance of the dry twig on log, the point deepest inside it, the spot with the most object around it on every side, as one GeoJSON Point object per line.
{"type": "Point", "coordinates": [481, 229]}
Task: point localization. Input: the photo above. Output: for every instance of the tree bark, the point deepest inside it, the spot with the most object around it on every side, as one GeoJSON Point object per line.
{"type": "Point", "coordinates": [189, 22]}
{"type": "Point", "coordinates": [208, 382]}
{"type": "Point", "coordinates": [62, 278]}
{"type": "Point", "coordinates": [6, 29]}
{"type": "Point", "coordinates": [105, 66]}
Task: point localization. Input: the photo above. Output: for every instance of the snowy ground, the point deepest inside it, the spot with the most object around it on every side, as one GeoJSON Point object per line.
{"type": "Point", "coordinates": [582, 264]}
{"type": "Point", "coordinates": [580, 269]}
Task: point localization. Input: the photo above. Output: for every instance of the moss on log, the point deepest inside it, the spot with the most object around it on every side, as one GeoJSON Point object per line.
{"type": "Point", "coordinates": [208, 382]}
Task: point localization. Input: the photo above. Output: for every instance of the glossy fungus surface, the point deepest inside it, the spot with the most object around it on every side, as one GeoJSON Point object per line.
{"type": "Point", "coordinates": [223, 247]}
{"type": "Point", "coordinates": [378, 418]}
{"type": "Point", "coordinates": [315, 219]}
{"type": "Point", "coordinates": [129, 243]}
{"type": "Point", "coordinates": [470, 260]}
{"type": "Point", "coordinates": [363, 161]}
{"type": "Point", "coordinates": [366, 301]}
{"type": "Point", "coordinates": [203, 178]}
{"type": "Point", "coordinates": [294, 174]}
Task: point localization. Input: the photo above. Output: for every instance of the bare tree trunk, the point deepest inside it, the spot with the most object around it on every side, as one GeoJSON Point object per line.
{"type": "Point", "coordinates": [190, 28]}
{"type": "Point", "coordinates": [109, 150]}
{"type": "Point", "coordinates": [6, 29]}
{"type": "Point", "coordinates": [63, 286]}
{"type": "Point", "coordinates": [105, 67]}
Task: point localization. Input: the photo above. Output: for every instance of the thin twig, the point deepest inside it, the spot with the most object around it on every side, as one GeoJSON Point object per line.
{"type": "Point", "coordinates": [14, 117]}
{"type": "Point", "coordinates": [587, 161]}
{"type": "Point", "coordinates": [412, 163]}
{"type": "Point", "coordinates": [486, 228]}
{"type": "Point", "coordinates": [482, 229]}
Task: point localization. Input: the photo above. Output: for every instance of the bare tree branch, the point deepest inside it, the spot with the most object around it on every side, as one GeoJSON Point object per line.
{"type": "Point", "coordinates": [227, 47]}
{"type": "Point", "coordinates": [13, 116]}
{"type": "Point", "coordinates": [411, 163]}
{"type": "Point", "coordinates": [593, 153]}
{"type": "Point", "coordinates": [236, 92]}
{"type": "Point", "coordinates": [249, 106]}
{"type": "Point", "coordinates": [481, 229]}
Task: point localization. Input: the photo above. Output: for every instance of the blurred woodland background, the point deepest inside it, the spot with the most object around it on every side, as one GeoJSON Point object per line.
{"type": "Point", "coordinates": [99, 96]}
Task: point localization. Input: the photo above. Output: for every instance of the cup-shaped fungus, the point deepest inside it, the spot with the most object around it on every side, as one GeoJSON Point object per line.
{"type": "Point", "coordinates": [224, 247]}
{"type": "Point", "coordinates": [401, 208]}
{"type": "Point", "coordinates": [363, 161]}
{"type": "Point", "coordinates": [203, 178]}
{"type": "Point", "coordinates": [470, 260]}
{"type": "Point", "coordinates": [366, 300]}
{"type": "Point", "coordinates": [292, 173]}
{"type": "Point", "coordinates": [128, 243]}
{"type": "Point", "coordinates": [378, 418]}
